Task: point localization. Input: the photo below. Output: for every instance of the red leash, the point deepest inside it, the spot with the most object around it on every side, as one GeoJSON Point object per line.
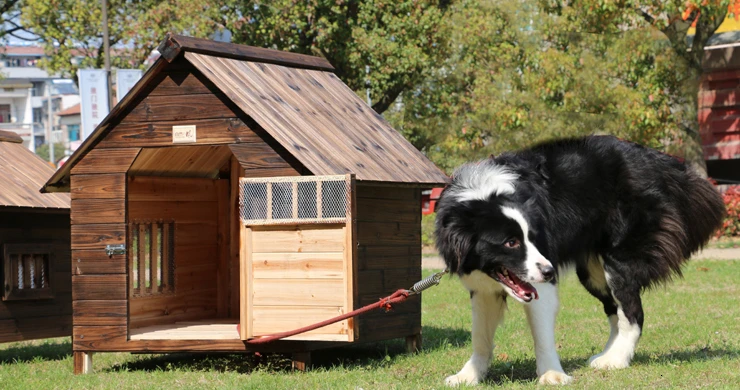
{"type": "Point", "coordinates": [384, 303]}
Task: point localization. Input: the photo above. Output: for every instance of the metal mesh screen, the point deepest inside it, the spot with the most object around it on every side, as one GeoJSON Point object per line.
{"type": "Point", "coordinates": [294, 199]}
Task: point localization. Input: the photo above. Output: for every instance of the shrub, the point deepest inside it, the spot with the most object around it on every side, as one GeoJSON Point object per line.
{"type": "Point", "coordinates": [427, 229]}
{"type": "Point", "coordinates": [731, 224]}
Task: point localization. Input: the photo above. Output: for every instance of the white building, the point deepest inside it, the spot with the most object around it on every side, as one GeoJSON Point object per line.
{"type": "Point", "coordinates": [24, 96]}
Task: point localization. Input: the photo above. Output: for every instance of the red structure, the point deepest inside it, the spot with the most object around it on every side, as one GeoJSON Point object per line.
{"type": "Point", "coordinates": [429, 200]}
{"type": "Point", "coordinates": [719, 112]}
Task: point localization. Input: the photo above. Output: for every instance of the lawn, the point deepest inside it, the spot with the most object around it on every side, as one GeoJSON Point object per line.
{"type": "Point", "coordinates": [691, 340]}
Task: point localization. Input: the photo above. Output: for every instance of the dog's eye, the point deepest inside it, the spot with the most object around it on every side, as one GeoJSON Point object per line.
{"type": "Point", "coordinates": [512, 243]}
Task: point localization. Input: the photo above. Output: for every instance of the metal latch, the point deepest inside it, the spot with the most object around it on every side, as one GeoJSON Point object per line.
{"type": "Point", "coordinates": [119, 249]}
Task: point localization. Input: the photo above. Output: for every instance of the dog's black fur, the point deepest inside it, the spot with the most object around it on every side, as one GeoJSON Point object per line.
{"type": "Point", "coordinates": [642, 212]}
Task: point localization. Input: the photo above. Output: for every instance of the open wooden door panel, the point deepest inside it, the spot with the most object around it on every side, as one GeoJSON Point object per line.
{"type": "Point", "coordinates": [296, 258]}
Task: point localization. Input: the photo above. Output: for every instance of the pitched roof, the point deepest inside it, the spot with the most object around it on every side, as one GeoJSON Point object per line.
{"type": "Point", "coordinates": [299, 102]}
{"type": "Point", "coordinates": [72, 110]}
{"type": "Point", "coordinates": [21, 175]}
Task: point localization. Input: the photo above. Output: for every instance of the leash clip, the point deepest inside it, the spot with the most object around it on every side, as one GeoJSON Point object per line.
{"type": "Point", "coordinates": [424, 284]}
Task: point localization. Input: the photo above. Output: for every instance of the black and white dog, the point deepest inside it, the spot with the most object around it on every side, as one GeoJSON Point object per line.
{"type": "Point", "coordinates": [625, 216]}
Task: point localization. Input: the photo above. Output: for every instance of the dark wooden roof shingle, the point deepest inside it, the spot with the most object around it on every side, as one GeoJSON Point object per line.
{"type": "Point", "coordinates": [22, 173]}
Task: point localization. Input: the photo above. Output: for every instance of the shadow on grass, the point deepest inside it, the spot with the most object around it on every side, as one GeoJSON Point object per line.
{"type": "Point", "coordinates": [685, 355]}
{"type": "Point", "coordinates": [360, 355]}
{"type": "Point", "coordinates": [31, 351]}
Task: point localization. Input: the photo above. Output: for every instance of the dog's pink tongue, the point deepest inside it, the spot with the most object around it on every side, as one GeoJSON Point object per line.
{"type": "Point", "coordinates": [524, 289]}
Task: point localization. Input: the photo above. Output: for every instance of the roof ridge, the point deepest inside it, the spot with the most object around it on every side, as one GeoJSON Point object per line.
{"type": "Point", "coordinates": [10, 136]}
{"type": "Point", "coordinates": [174, 44]}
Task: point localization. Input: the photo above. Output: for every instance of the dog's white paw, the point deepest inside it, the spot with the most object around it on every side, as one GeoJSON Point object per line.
{"type": "Point", "coordinates": [552, 377]}
{"type": "Point", "coordinates": [607, 361]}
{"type": "Point", "coordinates": [461, 379]}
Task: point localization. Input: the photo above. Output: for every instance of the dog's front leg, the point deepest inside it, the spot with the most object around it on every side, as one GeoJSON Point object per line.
{"type": "Point", "coordinates": [488, 311]}
{"type": "Point", "coordinates": [541, 315]}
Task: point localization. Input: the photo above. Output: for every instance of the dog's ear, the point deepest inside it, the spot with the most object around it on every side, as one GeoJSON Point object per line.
{"type": "Point", "coordinates": [541, 169]}
{"type": "Point", "coordinates": [453, 242]}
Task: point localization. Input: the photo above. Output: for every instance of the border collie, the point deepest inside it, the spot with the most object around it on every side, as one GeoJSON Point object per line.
{"type": "Point", "coordinates": [624, 216]}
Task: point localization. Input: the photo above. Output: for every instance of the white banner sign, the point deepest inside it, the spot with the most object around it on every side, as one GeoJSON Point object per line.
{"type": "Point", "coordinates": [125, 80]}
{"type": "Point", "coordinates": [93, 99]}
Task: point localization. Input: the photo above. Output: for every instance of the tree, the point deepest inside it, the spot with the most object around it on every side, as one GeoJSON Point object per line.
{"type": "Point", "coordinates": [71, 32]}
{"type": "Point", "coordinates": [524, 72]}
{"type": "Point", "coordinates": [399, 41]}
{"type": "Point", "coordinates": [11, 27]}
{"type": "Point", "coordinates": [43, 152]}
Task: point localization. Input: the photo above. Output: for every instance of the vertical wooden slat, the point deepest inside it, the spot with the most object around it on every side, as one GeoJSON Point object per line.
{"type": "Point", "coordinates": [222, 272]}
{"type": "Point", "coordinates": [234, 246]}
{"type": "Point", "coordinates": [166, 255]}
{"type": "Point", "coordinates": [245, 284]}
{"type": "Point", "coordinates": [154, 246]}
{"type": "Point", "coordinates": [26, 271]}
{"type": "Point", "coordinates": [350, 258]}
{"type": "Point", "coordinates": [142, 258]}
{"type": "Point", "coordinates": [132, 265]}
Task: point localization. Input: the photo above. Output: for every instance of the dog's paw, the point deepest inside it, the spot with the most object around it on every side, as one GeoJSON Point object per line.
{"type": "Point", "coordinates": [461, 379]}
{"type": "Point", "coordinates": [552, 377]}
{"type": "Point", "coordinates": [607, 361]}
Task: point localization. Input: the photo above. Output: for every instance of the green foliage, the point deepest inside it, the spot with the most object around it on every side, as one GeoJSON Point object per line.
{"type": "Point", "coordinates": [731, 224]}
{"type": "Point", "coordinates": [524, 72]}
{"type": "Point", "coordinates": [398, 40]}
{"type": "Point", "coordinates": [427, 229]}
{"type": "Point", "coordinates": [43, 151]}
{"type": "Point", "coordinates": [70, 29]}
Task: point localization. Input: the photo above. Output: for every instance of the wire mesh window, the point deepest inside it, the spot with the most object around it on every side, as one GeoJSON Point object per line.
{"type": "Point", "coordinates": [27, 272]}
{"type": "Point", "coordinates": [295, 199]}
{"type": "Point", "coordinates": [151, 258]}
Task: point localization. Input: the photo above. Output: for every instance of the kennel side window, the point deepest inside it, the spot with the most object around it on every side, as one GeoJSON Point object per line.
{"type": "Point", "coordinates": [152, 258]}
{"type": "Point", "coordinates": [295, 200]}
{"type": "Point", "coordinates": [27, 272]}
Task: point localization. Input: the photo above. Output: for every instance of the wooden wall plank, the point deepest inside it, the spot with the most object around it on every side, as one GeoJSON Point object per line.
{"type": "Point", "coordinates": [95, 211]}
{"type": "Point", "coordinates": [111, 186]}
{"type": "Point", "coordinates": [99, 287]}
{"type": "Point", "coordinates": [20, 329]}
{"type": "Point", "coordinates": [182, 82]}
{"type": "Point", "coordinates": [258, 156]}
{"type": "Point", "coordinates": [152, 134]}
{"type": "Point", "coordinates": [99, 312]}
{"type": "Point", "coordinates": [97, 236]}
{"type": "Point", "coordinates": [173, 189]}
{"type": "Point", "coordinates": [59, 306]}
{"type": "Point", "coordinates": [273, 319]}
{"type": "Point", "coordinates": [106, 161]}
{"type": "Point", "coordinates": [306, 238]}
{"type": "Point", "coordinates": [179, 108]}
{"type": "Point", "coordinates": [312, 265]}
{"type": "Point", "coordinates": [294, 292]}
{"type": "Point", "coordinates": [168, 309]}
{"type": "Point", "coordinates": [93, 261]}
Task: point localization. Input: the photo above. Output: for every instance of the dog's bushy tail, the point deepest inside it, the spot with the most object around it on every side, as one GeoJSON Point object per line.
{"type": "Point", "coordinates": [704, 213]}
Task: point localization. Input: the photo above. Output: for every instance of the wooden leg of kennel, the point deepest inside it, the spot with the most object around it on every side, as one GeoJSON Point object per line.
{"type": "Point", "coordinates": [82, 362]}
{"type": "Point", "coordinates": [301, 361]}
{"type": "Point", "coordinates": [413, 343]}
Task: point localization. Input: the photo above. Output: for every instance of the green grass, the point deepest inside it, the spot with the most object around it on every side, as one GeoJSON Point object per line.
{"type": "Point", "coordinates": [691, 340]}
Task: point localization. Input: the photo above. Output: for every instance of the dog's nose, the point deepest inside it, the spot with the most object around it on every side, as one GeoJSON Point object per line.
{"type": "Point", "coordinates": [548, 272]}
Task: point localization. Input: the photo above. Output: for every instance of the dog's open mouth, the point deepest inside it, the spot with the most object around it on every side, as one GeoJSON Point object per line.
{"type": "Point", "coordinates": [523, 290]}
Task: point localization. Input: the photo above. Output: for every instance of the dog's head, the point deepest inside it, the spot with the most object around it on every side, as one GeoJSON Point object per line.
{"type": "Point", "coordinates": [481, 226]}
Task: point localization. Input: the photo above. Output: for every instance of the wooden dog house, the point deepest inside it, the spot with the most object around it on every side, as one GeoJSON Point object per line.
{"type": "Point", "coordinates": [34, 240]}
{"type": "Point", "coordinates": [239, 185]}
